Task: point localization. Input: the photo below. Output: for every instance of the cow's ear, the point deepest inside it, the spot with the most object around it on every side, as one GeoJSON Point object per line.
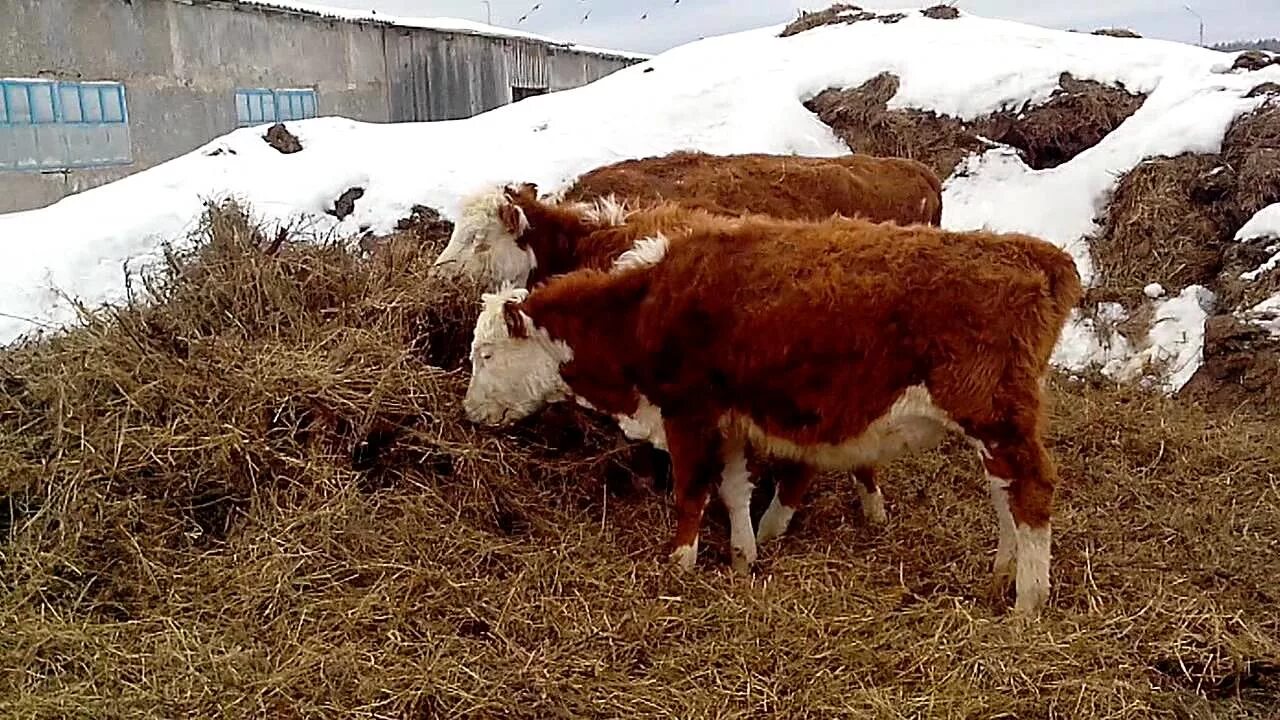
{"type": "Point", "coordinates": [514, 320]}
{"type": "Point", "coordinates": [513, 219]}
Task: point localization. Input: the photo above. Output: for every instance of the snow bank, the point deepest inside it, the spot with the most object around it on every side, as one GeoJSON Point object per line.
{"type": "Point", "coordinates": [735, 93]}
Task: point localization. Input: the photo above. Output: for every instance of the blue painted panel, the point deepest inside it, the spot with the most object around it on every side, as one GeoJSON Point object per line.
{"type": "Point", "coordinates": [50, 125]}
{"type": "Point", "coordinates": [256, 106]}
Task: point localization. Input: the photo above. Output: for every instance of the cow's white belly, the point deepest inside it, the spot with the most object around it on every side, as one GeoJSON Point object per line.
{"type": "Point", "coordinates": [912, 423]}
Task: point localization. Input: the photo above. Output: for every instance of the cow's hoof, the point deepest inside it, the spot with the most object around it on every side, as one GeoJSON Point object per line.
{"type": "Point", "coordinates": [684, 556]}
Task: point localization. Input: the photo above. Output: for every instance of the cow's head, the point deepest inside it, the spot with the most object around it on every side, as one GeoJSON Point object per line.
{"type": "Point", "coordinates": [515, 366]}
{"type": "Point", "coordinates": [486, 244]}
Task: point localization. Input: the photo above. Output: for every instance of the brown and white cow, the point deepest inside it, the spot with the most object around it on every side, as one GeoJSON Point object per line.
{"type": "Point", "coordinates": [604, 235]}
{"type": "Point", "coordinates": [838, 343]}
{"type": "Point", "coordinates": [495, 244]}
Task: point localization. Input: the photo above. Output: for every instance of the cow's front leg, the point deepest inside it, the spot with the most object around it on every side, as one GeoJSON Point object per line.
{"type": "Point", "coordinates": [696, 459]}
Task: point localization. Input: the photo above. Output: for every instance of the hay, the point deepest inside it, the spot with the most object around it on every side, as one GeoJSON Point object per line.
{"type": "Point", "coordinates": [941, 12]}
{"type": "Point", "coordinates": [1078, 115]}
{"type": "Point", "coordinates": [1173, 221]}
{"type": "Point", "coordinates": [253, 496]}
{"type": "Point", "coordinates": [1116, 33]}
{"type": "Point", "coordinates": [1168, 222]}
{"type": "Point", "coordinates": [837, 14]}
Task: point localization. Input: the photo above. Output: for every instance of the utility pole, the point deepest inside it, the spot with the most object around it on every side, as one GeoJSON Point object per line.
{"type": "Point", "coordinates": [488, 12]}
{"type": "Point", "coordinates": [1193, 12]}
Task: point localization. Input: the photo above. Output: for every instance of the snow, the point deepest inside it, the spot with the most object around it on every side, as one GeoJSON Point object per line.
{"type": "Point", "coordinates": [1154, 291]}
{"type": "Point", "coordinates": [734, 93]}
{"type": "Point", "coordinates": [1267, 315]}
{"type": "Point", "coordinates": [1266, 224]}
{"type": "Point", "coordinates": [1176, 338]}
{"type": "Point", "coordinates": [448, 24]}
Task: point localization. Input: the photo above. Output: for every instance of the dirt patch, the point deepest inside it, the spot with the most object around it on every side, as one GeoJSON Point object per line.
{"type": "Point", "coordinates": [203, 516]}
{"type": "Point", "coordinates": [941, 12]}
{"type": "Point", "coordinates": [1078, 115]}
{"type": "Point", "coordinates": [1266, 88]}
{"type": "Point", "coordinates": [1116, 32]}
{"type": "Point", "coordinates": [1241, 370]}
{"type": "Point", "coordinates": [346, 203]}
{"type": "Point", "coordinates": [279, 137]}
{"type": "Point", "coordinates": [1251, 60]}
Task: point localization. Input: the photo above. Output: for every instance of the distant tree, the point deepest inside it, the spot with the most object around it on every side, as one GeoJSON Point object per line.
{"type": "Point", "coordinates": [1269, 44]}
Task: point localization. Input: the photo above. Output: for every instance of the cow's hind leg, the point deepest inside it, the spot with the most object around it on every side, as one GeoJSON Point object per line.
{"type": "Point", "coordinates": [791, 483]}
{"type": "Point", "coordinates": [870, 496]}
{"type": "Point", "coordinates": [696, 459]}
{"type": "Point", "coordinates": [1021, 476]}
{"type": "Point", "coordinates": [735, 492]}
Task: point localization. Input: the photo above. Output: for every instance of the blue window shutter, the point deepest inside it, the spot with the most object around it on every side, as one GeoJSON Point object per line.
{"type": "Point", "coordinates": [19, 104]}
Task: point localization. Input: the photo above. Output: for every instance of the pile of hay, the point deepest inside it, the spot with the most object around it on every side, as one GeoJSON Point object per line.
{"type": "Point", "coordinates": [1078, 115]}
{"type": "Point", "coordinates": [1173, 221]}
{"type": "Point", "coordinates": [252, 494]}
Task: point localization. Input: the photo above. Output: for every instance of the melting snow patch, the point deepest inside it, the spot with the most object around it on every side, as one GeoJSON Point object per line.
{"type": "Point", "coordinates": [1153, 291]}
{"type": "Point", "coordinates": [1176, 338]}
{"type": "Point", "coordinates": [1266, 314]}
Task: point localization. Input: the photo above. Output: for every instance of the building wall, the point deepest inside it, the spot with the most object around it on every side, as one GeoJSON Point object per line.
{"type": "Point", "coordinates": [447, 76]}
{"type": "Point", "coordinates": [182, 60]}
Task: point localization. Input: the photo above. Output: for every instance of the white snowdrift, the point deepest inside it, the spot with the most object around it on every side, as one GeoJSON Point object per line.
{"type": "Point", "coordinates": [734, 93]}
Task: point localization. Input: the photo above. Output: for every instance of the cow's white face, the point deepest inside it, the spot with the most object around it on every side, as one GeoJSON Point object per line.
{"type": "Point", "coordinates": [515, 367]}
{"type": "Point", "coordinates": [483, 246]}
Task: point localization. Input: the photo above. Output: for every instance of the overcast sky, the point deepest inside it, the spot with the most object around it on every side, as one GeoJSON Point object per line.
{"type": "Point", "coordinates": [618, 23]}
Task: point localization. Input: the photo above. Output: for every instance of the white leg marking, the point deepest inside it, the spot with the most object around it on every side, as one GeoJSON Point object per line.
{"type": "Point", "coordinates": [684, 556]}
{"type": "Point", "coordinates": [1033, 569]}
{"type": "Point", "coordinates": [872, 505]}
{"type": "Point", "coordinates": [775, 521]}
{"type": "Point", "coordinates": [1006, 550]}
{"type": "Point", "coordinates": [735, 491]}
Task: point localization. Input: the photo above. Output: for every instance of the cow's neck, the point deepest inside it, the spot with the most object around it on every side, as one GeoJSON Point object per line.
{"type": "Point", "coordinates": [594, 315]}
{"type": "Point", "coordinates": [553, 235]}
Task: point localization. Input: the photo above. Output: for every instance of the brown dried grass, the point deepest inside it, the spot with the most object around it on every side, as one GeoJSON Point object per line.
{"type": "Point", "coordinates": [204, 520]}
{"type": "Point", "coordinates": [1173, 220]}
{"type": "Point", "coordinates": [837, 14]}
{"type": "Point", "coordinates": [1077, 117]}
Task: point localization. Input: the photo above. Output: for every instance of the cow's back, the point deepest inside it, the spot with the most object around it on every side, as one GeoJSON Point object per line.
{"type": "Point", "coordinates": [784, 186]}
{"type": "Point", "coordinates": [823, 305]}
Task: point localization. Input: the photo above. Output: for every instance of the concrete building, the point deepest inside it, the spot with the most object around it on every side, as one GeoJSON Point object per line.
{"type": "Point", "coordinates": [92, 90]}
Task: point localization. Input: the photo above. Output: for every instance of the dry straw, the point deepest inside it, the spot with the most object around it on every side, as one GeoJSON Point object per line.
{"type": "Point", "coordinates": [252, 494]}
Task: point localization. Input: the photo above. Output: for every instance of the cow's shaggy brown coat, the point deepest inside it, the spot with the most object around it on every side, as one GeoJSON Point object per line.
{"type": "Point", "coordinates": [571, 236]}
{"type": "Point", "coordinates": [492, 242]}
{"type": "Point", "coordinates": [837, 343]}
{"type": "Point", "coordinates": [786, 186]}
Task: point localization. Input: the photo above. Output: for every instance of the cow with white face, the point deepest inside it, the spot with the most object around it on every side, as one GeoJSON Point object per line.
{"type": "Point", "coordinates": [515, 367]}
{"type": "Point", "coordinates": [485, 242]}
